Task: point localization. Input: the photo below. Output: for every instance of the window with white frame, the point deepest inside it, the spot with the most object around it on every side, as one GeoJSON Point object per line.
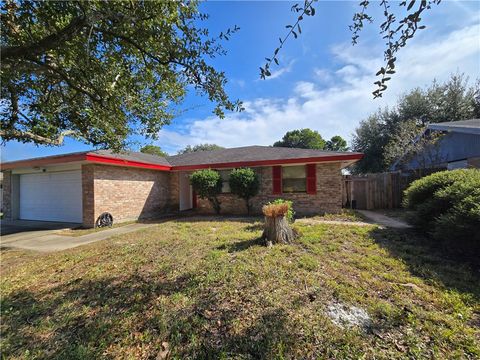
{"type": "Point", "coordinates": [294, 179]}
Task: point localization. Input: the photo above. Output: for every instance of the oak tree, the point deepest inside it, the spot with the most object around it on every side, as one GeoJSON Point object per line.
{"type": "Point", "coordinates": [153, 150]}
{"type": "Point", "coordinates": [303, 138]}
{"type": "Point", "coordinates": [200, 147]}
{"type": "Point", "coordinates": [102, 70]}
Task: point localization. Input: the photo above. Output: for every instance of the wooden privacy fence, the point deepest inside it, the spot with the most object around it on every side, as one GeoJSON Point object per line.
{"type": "Point", "coordinates": [375, 191]}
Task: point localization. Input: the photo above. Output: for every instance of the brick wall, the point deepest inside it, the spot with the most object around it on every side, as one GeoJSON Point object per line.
{"type": "Point", "coordinates": [125, 192]}
{"type": "Point", "coordinates": [174, 201]}
{"type": "Point", "coordinates": [327, 199]}
{"type": "Point", "coordinates": [88, 193]}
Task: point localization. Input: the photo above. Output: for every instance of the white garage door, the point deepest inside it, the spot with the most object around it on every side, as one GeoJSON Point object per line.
{"type": "Point", "coordinates": [55, 196]}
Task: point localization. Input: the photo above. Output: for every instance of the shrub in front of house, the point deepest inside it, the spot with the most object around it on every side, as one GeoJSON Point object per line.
{"type": "Point", "coordinates": [208, 185]}
{"type": "Point", "coordinates": [244, 183]}
{"type": "Point", "coordinates": [446, 205]}
{"type": "Point", "coordinates": [290, 215]}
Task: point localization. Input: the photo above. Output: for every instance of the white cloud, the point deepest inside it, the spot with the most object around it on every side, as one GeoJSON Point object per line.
{"type": "Point", "coordinates": [281, 71]}
{"type": "Point", "coordinates": [322, 75]}
{"type": "Point", "coordinates": [338, 107]}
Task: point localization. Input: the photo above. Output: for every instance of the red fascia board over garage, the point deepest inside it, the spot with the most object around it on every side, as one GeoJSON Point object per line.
{"type": "Point", "coordinates": [82, 157]}
{"type": "Point", "coordinates": [120, 162]}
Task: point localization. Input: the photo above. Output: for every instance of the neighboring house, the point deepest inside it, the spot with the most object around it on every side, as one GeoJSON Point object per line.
{"type": "Point", "coordinates": [457, 147]}
{"type": "Point", "coordinates": [79, 187]}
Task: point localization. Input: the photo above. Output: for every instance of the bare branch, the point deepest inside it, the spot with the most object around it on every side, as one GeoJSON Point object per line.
{"type": "Point", "coordinates": [17, 134]}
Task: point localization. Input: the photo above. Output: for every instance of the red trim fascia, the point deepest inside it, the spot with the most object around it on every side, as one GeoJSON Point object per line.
{"type": "Point", "coordinates": [121, 162]}
{"type": "Point", "coordinates": [269, 162]}
{"type": "Point", "coordinates": [43, 161]}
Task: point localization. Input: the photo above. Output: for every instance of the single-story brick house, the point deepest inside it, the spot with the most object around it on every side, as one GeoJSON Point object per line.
{"type": "Point", "coordinates": [78, 187]}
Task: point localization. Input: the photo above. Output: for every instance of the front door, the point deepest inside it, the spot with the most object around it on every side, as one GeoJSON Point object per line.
{"type": "Point", "coordinates": [185, 191]}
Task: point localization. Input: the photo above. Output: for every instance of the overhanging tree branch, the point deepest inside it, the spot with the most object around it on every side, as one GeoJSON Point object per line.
{"type": "Point", "coordinates": [65, 78]}
{"type": "Point", "coordinates": [24, 135]}
{"type": "Point", "coordinates": [47, 43]}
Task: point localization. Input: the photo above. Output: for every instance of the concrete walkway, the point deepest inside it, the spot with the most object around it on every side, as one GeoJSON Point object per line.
{"type": "Point", "coordinates": [373, 218]}
{"type": "Point", "coordinates": [48, 240]}
{"type": "Point", "coordinates": [333, 222]}
{"type": "Point", "coordinates": [383, 220]}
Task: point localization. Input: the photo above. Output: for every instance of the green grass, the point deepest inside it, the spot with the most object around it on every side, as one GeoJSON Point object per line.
{"type": "Point", "coordinates": [346, 215]}
{"type": "Point", "coordinates": [85, 231]}
{"type": "Point", "coordinates": [207, 288]}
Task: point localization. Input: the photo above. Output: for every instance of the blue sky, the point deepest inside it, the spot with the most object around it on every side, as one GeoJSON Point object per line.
{"type": "Point", "coordinates": [322, 83]}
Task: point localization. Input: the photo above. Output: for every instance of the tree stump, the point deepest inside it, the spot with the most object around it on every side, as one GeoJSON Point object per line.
{"type": "Point", "coordinates": [277, 230]}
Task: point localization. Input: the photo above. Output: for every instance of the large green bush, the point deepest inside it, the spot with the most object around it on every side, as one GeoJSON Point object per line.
{"type": "Point", "coordinates": [208, 185]}
{"type": "Point", "coordinates": [447, 206]}
{"type": "Point", "coordinates": [244, 183]}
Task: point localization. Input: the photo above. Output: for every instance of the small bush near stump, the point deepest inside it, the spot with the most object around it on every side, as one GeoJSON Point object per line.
{"type": "Point", "coordinates": [208, 185]}
{"type": "Point", "coordinates": [277, 229]}
{"type": "Point", "coordinates": [290, 213]}
{"type": "Point", "coordinates": [446, 205]}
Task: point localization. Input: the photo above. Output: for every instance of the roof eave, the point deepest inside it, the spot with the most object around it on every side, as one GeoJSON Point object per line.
{"type": "Point", "coordinates": [332, 158]}
{"type": "Point", "coordinates": [54, 160]}
{"type": "Point", "coordinates": [83, 157]}
{"type": "Point", "coordinates": [457, 129]}
{"type": "Point", "coordinates": [95, 158]}
{"type": "Point", "coordinates": [102, 159]}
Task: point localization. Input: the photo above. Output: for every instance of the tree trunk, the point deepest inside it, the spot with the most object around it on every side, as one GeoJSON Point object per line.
{"type": "Point", "coordinates": [277, 230]}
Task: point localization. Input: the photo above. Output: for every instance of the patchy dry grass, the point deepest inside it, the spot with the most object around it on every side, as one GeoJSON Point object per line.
{"type": "Point", "coordinates": [209, 289]}
{"type": "Point", "coordinates": [85, 231]}
{"type": "Point", "coordinates": [346, 215]}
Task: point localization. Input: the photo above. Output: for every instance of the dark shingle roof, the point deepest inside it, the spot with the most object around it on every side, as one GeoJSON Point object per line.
{"type": "Point", "coordinates": [133, 156]}
{"type": "Point", "coordinates": [463, 126]}
{"type": "Point", "coordinates": [248, 153]}
{"type": "Point", "coordinates": [214, 157]}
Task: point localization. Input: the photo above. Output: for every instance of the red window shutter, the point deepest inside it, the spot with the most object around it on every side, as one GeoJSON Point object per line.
{"type": "Point", "coordinates": [277, 180]}
{"type": "Point", "coordinates": [311, 178]}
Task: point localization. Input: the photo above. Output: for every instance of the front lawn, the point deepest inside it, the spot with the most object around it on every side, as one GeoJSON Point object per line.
{"type": "Point", "coordinates": [205, 288]}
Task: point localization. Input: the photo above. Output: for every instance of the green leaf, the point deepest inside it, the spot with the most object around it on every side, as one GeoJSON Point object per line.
{"type": "Point", "coordinates": [410, 5]}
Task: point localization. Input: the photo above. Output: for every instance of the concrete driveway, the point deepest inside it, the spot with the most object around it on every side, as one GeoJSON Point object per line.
{"type": "Point", "coordinates": [23, 226]}
{"type": "Point", "coordinates": [42, 235]}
